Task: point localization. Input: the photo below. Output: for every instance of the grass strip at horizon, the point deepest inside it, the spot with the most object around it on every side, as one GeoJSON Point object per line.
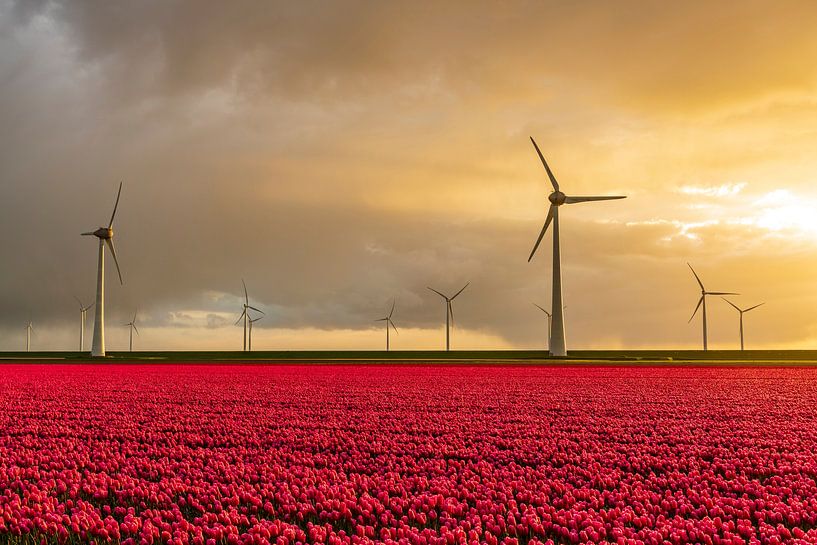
{"type": "Point", "coordinates": [748, 357]}
{"type": "Point", "coordinates": [421, 454]}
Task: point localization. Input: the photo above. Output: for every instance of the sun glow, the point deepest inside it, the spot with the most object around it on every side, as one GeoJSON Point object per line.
{"type": "Point", "coordinates": [782, 211]}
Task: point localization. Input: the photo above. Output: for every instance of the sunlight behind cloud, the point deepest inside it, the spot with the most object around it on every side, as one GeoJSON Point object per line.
{"type": "Point", "coordinates": [781, 211]}
{"type": "Point", "coordinates": [724, 190]}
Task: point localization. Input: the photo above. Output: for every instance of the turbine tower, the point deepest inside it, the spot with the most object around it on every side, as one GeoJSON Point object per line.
{"type": "Point", "coordinates": [449, 314]}
{"type": "Point", "coordinates": [105, 236]}
{"type": "Point", "coordinates": [29, 329]}
{"type": "Point", "coordinates": [550, 319]}
{"type": "Point", "coordinates": [702, 301]}
{"type": "Point", "coordinates": [251, 322]}
{"type": "Point", "coordinates": [558, 345]}
{"type": "Point", "coordinates": [388, 321]}
{"type": "Point", "coordinates": [245, 314]}
{"type": "Point", "coordinates": [83, 313]}
{"type": "Point", "coordinates": [132, 326]}
{"type": "Point", "coordinates": [742, 312]}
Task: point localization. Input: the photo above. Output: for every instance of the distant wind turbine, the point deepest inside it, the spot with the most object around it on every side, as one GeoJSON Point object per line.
{"type": "Point", "coordinates": [83, 312]}
{"type": "Point", "coordinates": [29, 329]}
{"type": "Point", "coordinates": [132, 327]}
{"type": "Point", "coordinates": [105, 236]}
{"type": "Point", "coordinates": [550, 319]}
{"type": "Point", "coordinates": [245, 314]}
{"type": "Point", "coordinates": [558, 344]}
{"type": "Point", "coordinates": [388, 321]}
{"type": "Point", "coordinates": [702, 301]}
{"type": "Point", "coordinates": [251, 322]}
{"type": "Point", "coordinates": [449, 314]}
{"type": "Point", "coordinates": [742, 312]}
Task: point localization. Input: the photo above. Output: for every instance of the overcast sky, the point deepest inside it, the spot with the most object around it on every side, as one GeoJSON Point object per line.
{"type": "Point", "coordinates": [339, 155]}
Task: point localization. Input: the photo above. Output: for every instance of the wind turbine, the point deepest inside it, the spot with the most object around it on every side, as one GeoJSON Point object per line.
{"type": "Point", "coordinates": [29, 329]}
{"type": "Point", "coordinates": [245, 315]}
{"type": "Point", "coordinates": [105, 236]}
{"type": "Point", "coordinates": [388, 321]}
{"type": "Point", "coordinates": [132, 326]}
{"type": "Point", "coordinates": [83, 312]}
{"type": "Point", "coordinates": [550, 319]}
{"type": "Point", "coordinates": [252, 321]}
{"type": "Point", "coordinates": [741, 311]}
{"type": "Point", "coordinates": [558, 345]}
{"type": "Point", "coordinates": [702, 301]}
{"type": "Point", "coordinates": [449, 314]}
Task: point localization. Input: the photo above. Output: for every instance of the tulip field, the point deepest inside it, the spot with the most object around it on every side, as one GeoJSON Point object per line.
{"type": "Point", "coordinates": [410, 455]}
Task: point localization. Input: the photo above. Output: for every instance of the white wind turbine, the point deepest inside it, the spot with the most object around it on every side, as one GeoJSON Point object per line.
{"type": "Point", "coordinates": [550, 319]}
{"type": "Point", "coordinates": [449, 314]}
{"type": "Point", "coordinates": [558, 345]}
{"type": "Point", "coordinates": [742, 312]}
{"type": "Point", "coordinates": [83, 313]}
{"type": "Point", "coordinates": [105, 236]}
{"type": "Point", "coordinates": [251, 322]}
{"type": "Point", "coordinates": [702, 301]}
{"type": "Point", "coordinates": [132, 327]}
{"type": "Point", "coordinates": [245, 314]}
{"type": "Point", "coordinates": [29, 330]}
{"type": "Point", "coordinates": [388, 321]}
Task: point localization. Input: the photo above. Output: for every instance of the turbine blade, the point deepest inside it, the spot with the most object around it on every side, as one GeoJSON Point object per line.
{"type": "Point", "coordinates": [88, 234]}
{"type": "Point", "coordinates": [134, 316]}
{"type": "Point", "coordinates": [80, 303]}
{"type": "Point", "coordinates": [241, 316]}
{"type": "Point", "coordinates": [115, 206]}
{"type": "Point", "coordinates": [438, 293]}
{"type": "Point", "coordinates": [394, 326]}
{"type": "Point", "coordinates": [547, 168]}
{"type": "Point", "coordinates": [542, 233]}
{"type": "Point", "coordinates": [451, 312]}
{"type": "Point", "coordinates": [463, 289]}
{"type": "Point", "coordinates": [540, 308]}
{"type": "Point", "coordinates": [720, 293]}
{"type": "Point", "coordinates": [731, 303]}
{"type": "Point", "coordinates": [574, 200]}
{"type": "Point", "coordinates": [696, 277]}
{"type": "Point", "coordinates": [381, 319]}
{"type": "Point", "coordinates": [256, 310]}
{"type": "Point", "coordinates": [136, 329]}
{"type": "Point", "coordinates": [88, 307]}
{"type": "Point", "coordinates": [109, 242]}
{"type": "Point", "coordinates": [754, 307]}
{"type": "Point", "coordinates": [392, 308]}
{"type": "Point", "coordinates": [246, 297]}
{"type": "Point", "coordinates": [700, 302]}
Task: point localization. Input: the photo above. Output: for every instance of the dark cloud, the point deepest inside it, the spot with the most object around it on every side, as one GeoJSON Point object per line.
{"type": "Point", "coordinates": [692, 52]}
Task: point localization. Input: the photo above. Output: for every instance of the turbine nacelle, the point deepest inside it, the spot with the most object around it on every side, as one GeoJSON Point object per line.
{"type": "Point", "coordinates": [557, 198]}
{"type": "Point", "coordinates": [104, 233]}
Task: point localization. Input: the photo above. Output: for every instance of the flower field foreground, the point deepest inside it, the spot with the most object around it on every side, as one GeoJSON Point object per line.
{"type": "Point", "coordinates": [417, 455]}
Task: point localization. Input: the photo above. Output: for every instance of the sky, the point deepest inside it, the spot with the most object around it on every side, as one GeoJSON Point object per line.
{"type": "Point", "coordinates": [338, 156]}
